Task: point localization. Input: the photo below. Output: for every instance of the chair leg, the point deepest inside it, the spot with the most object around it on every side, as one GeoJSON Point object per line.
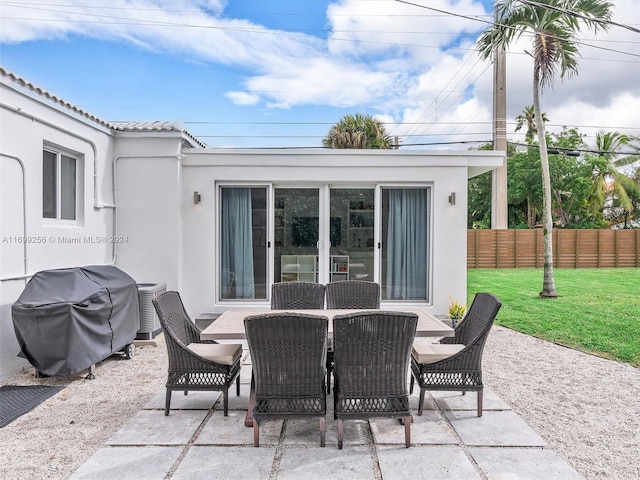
{"type": "Point", "coordinates": [340, 433]}
{"type": "Point", "coordinates": [323, 429]}
{"type": "Point", "coordinates": [479, 403]}
{"type": "Point", "coordinates": [411, 384]}
{"type": "Point", "coordinates": [225, 397]}
{"type": "Point", "coordinates": [421, 401]}
{"type": "Point", "coordinates": [238, 386]}
{"type": "Point", "coordinates": [167, 402]}
{"type": "Point", "coordinates": [407, 431]}
{"type": "Point", "coordinates": [256, 433]}
{"type": "Point", "coordinates": [328, 381]}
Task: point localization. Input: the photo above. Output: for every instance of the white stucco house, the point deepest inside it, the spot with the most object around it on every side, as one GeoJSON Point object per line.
{"type": "Point", "coordinates": [220, 225]}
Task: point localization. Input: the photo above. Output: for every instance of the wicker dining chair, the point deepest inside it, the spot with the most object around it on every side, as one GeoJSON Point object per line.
{"type": "Point", "coordinates": [350, 294]}
{"type": "Point", "coordinates": [353, 294]}
{"type": "Point", "coordinates": [195, 364]}
{"type": "Point", "coordinates": [372, 351]}
{"type": "Point", "coordinates": [297, 296]}
{"type": "Point", "coordinates": [288, 354]}
{"type": "Point", "coordinates": [456, 363]}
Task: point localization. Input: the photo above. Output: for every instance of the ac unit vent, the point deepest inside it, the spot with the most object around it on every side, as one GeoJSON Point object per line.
{"type": "Point", "coordinates": [149, 321]}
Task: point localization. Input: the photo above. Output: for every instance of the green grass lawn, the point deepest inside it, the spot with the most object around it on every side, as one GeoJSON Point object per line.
{"type": "Point", "coordinates": [598, 310]}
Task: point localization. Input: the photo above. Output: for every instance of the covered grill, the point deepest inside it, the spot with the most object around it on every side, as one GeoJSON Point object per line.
{"type": "Point", "coordinates": [66, 320]}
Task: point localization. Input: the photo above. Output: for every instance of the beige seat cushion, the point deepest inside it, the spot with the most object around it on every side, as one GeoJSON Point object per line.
{"type": "Point", "coordinates": [223, 353]}
{"type": "Point", "coordinates": [433, 352]}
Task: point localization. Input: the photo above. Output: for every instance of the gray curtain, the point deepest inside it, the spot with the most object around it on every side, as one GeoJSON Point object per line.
{"type": "Point", "coordinates": [237, 244]}
{"type": "Point", "coordinates": [49, 185]}
{"type": "Point", "coordinates": [67, 188]}
{"type": "Point", "coordinates": [407, 245]}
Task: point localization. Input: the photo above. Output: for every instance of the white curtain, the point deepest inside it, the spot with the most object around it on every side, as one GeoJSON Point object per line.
{"type": "Point", "coordinates": [407, 245]}
{"type": "Point", "coordinates": [237, 244]}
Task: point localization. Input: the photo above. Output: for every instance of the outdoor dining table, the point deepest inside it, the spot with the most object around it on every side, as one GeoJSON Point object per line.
{"type": "Point", "coordinates": [230, 326]}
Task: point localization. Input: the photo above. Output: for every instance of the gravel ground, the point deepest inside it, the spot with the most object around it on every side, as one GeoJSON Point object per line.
{"type": "Point", "coordinates": [585, 407]}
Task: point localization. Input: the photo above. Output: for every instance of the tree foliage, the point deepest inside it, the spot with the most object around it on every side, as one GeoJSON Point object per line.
{"type": "Point", "coordinates": [573, 179]}
{"type": "Point", "coordinates": [609, 181]}
{"type": "Point", "coordinates": [358, 131]}
{"type": "Point", "coordinates": [528, 118]}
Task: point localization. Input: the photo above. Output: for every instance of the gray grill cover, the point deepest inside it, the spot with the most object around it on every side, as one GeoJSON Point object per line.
{"type": "Point", "coordinates": [68, 319]}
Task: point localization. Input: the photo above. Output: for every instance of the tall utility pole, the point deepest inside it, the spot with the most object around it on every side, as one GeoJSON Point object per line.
{"type": "Point", "coordinates": [499, 218]}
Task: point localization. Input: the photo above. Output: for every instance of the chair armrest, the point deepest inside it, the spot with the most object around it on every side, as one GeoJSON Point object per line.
{"type": "Point", "coordinates": [433, 352]}
{"type": "Point", "coordinates": [223, 353]}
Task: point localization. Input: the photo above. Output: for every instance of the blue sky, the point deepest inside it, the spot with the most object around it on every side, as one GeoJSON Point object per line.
{"type": "Point", "coordinates": [252, 73]}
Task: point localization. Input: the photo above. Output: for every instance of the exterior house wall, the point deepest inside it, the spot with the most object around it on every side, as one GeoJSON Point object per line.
{"type": "Point", "coordinates": [29, 243]}
{"type": "Point", "coordinates": [149, 209]}
{"type": "Point", "coordinates": [445, 172]}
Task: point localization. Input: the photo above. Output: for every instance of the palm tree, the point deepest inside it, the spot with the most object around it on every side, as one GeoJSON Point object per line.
{"type": "Point", "coordinates": [554, 26]}
{"type": "Point", "coordinates": [528, 117]}
{"type": "Point", "coordinates": [607, 178]}
{"type": "Point", "coordinates": [357, 131]}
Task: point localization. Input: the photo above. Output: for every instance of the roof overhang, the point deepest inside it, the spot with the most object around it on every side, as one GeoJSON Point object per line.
{"type": "Point", "coordinates": [476, 161]}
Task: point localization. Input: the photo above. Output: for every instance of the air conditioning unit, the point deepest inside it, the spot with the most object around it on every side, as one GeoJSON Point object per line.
{"type": "Point", "coordinates": [149, 321]}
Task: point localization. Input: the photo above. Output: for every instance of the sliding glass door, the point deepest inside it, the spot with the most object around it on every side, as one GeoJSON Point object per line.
{"type": "Point", "coordinates": [296, 234]}
{"type": "Point", "coordinates": [298, 247]}
{"type": "Point", "coordinates": [324, 235]}
{"type": "Point", "coordinates": [351, 234]}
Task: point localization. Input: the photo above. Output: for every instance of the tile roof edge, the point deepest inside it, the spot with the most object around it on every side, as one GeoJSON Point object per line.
{"type": "Point", "coordinates": [117, 126]}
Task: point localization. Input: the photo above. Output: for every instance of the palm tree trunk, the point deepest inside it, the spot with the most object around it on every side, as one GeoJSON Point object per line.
{"type": "Point", "coordinates": [548, 283]}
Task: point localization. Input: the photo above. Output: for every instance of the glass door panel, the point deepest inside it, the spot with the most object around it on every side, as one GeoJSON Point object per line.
{"type": "Point", "coordinates": [243, 247]}
{"type": "Point", "coordinates": [404, 243]}
{"type": "Point", "coordinates": [296, 234]}
{"type": "Point", "coordinates": [351, 226]}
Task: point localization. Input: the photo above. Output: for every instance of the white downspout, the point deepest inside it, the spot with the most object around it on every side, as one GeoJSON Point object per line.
{"type": "Point", "coordinates": [24, 221]}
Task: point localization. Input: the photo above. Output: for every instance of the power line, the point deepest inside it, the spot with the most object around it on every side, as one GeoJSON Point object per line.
{"type": "Point", "coordinates": [22, 3]}
{"type": "Point", "coordinates": [561, 150]}
{"type": "Point", "coordinates": [508, 26]}
{"type": "Point", "coordinates": [435, 100]}
{"type": "Point", "coordinates": [578, 15]}
{"type": "Point", "coordinates": [222, 122]}
{"type": "Point", "coordinates": [322, 136]}
{"type": "Point", "coordinates": [430, 144]}
{"type": "Point", "coordinates": [257, 30]}
{"type": "Point", "coordinates": [475, 80]}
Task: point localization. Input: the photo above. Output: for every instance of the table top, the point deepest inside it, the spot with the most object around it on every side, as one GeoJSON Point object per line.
{"type": "Point", "coordinates": [230, 325]}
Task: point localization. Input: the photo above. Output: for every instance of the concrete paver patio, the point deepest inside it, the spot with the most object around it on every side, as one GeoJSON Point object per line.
{"type": "Point", "coordinates": [449, 441]}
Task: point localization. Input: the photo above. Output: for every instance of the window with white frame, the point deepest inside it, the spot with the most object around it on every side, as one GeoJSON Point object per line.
{"type": "Point", "coordinates": [59, 185]}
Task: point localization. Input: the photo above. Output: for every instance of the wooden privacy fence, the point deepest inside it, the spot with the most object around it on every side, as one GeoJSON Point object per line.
{"type": "Point", "coordinates": [571, 248]}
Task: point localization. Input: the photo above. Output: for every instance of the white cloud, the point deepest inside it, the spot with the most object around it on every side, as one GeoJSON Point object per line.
{"type": "Point", "coordinates": [243, 98]}
{"type": "Point", "coordinates": [362, 28]}
{"type": "Point", "coordinates": [621, 114]}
